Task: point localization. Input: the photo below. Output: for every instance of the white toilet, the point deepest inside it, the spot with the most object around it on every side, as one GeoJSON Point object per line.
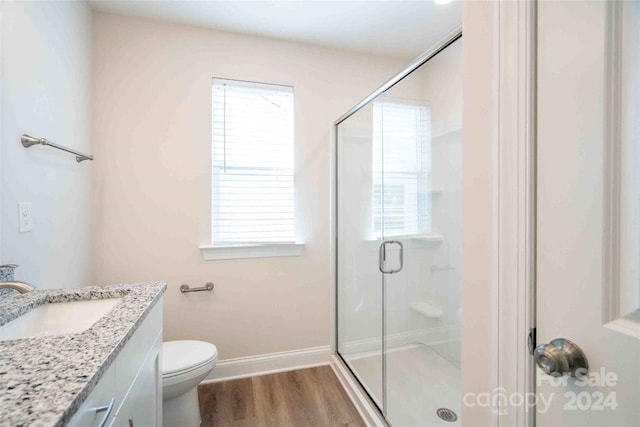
{"type": "Point", "coordinates": [184, 365]}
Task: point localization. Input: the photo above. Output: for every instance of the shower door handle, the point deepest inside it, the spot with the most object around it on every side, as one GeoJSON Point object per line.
{"type": "Point", "coordinates": [382, 256]}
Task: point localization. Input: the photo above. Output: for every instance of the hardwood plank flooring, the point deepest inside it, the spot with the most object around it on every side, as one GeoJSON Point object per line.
{"type": "Point", "coordinates": [305, 397]}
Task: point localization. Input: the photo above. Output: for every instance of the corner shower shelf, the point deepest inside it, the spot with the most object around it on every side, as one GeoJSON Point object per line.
{"type": "Point", "coordinates": [426, 309]}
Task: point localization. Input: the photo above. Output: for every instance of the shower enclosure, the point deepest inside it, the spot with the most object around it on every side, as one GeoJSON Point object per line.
{"type": "Point", "coordinates": [398, 242]}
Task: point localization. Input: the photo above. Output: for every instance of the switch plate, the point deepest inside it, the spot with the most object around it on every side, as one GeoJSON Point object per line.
{"type": "Point", "coordinates": [25, 219]}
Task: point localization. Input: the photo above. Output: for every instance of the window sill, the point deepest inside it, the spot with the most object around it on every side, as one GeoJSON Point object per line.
{"type": "Point", "coordinates": [267, 250]}
{"type": "Point", "coordinates": [427, 238]}
{"type": "Point", "coordinates": [430, 240]}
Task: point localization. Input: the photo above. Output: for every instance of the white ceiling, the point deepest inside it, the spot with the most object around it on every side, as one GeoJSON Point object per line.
{"type": "Point", "coordinates": [400, 28]}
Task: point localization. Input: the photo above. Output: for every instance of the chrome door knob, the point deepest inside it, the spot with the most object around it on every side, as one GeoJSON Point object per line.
{"type": "Point", "coordinates": [561, 357]}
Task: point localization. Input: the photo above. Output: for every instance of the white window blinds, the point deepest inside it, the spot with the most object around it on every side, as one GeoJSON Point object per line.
{"type": "Point", "coordinates": [402, 168]}
{"type": "Point", "coordinates": [253, 166]}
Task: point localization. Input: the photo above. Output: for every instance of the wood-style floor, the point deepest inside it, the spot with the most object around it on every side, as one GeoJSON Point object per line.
{"type": "Point", "coordinates": [306, 397]}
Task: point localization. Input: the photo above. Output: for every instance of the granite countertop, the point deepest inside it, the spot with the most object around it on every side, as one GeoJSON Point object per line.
{"type": "Point", "coordinates": [44, 380]}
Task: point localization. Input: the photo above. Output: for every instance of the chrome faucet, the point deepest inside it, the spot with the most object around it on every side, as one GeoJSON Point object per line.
{"type": "Point", "coordinates": [22, 287]}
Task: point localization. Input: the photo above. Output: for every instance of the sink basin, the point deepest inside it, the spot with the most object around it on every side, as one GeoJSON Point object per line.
{"type": "Point", "coordinates": [57, 319]}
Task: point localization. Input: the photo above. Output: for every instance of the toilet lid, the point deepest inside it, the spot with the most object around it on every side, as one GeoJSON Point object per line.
{"type": "Point", "coordinates": [180, 356]}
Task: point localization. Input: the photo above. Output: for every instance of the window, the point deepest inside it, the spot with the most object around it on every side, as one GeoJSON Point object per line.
{"type": "Point", "coordinates": [401, 197]}
{"type": "Point", "coordinates": [252, 201]}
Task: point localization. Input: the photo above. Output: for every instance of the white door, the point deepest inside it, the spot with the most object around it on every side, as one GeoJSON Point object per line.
{"type": "Point", "coordinates": [588, 209]}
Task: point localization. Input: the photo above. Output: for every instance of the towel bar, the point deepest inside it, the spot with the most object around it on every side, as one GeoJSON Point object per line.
{"type": "Point", "coordinates": [29, 141]}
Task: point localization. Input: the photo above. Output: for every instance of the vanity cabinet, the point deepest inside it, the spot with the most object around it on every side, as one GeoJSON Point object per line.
{"type": "Point", "coordinates": [129, 394]}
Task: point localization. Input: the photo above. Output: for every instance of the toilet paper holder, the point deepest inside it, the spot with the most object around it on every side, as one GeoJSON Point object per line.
{"type": "Point", "coordinates": [207, 287]}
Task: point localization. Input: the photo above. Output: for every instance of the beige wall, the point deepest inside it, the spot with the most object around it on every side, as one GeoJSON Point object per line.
{"type": "Point", "coordinates": [478, 341]}
{"type": "Point", "coordinates": [46, 92]}
{"type": "Point", "coordinates": [152, 95]}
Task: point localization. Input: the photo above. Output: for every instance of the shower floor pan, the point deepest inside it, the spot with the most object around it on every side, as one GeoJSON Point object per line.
{"type": "Point", "coordinates": [419, 383]}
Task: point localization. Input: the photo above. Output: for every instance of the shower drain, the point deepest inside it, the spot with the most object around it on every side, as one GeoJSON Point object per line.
{"type": "Point", "coordinates": [447, 414]}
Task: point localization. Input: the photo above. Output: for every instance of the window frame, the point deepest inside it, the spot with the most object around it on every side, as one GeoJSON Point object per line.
{"type": "Point", "coordinates": [239, 250]}
{"type": "Point", "coordinates": [421, 177]}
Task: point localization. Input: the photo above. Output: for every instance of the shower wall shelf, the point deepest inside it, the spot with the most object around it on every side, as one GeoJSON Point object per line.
{"type": "Point", "coordinates": [30, 141]}
{"type": "Point", "coordinates": [426, 309]}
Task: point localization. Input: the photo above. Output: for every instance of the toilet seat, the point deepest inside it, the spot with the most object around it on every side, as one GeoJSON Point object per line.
{"type": "Point", "coordinates": [185, 356]}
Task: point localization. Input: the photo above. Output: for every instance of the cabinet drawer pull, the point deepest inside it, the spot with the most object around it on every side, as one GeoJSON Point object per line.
{"type": "Point", "coordinates": [130, 422]}
{"type": "Point", "coordinates": [107, 411]}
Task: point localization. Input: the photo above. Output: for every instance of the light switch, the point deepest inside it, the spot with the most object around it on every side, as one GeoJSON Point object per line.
{"type": "Point", "coordinates": [25, 219]}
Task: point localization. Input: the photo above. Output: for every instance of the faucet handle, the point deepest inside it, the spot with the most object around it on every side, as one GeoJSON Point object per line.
{"type": "Point", "coordinates": [9, 266]}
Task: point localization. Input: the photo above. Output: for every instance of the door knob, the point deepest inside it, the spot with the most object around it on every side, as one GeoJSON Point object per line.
{"type": "Point", "coordinates": [561, 357]}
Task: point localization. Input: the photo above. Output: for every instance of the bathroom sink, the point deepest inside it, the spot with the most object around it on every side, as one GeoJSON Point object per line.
{"type": "Point", "coordinates": [57, 319]}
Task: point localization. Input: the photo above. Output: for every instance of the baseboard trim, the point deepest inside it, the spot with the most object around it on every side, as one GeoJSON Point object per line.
{"type": "Point", "coordinates": [364, 406]}
{"type": "Point", "coordinates": [243, 367]}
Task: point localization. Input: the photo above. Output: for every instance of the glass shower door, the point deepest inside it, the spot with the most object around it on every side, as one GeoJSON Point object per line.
{"type": "Point", "coordinates": [402, 207]}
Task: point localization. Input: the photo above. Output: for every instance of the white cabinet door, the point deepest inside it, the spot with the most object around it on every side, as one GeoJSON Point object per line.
{"type": "Point", "coordinates": [142, 406]}
{"type": "Point", "coordinates": [588, 221]}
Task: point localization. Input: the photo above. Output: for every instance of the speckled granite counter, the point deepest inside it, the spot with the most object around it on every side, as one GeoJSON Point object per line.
{"type": "Point", "coordinates": [43, 381]}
